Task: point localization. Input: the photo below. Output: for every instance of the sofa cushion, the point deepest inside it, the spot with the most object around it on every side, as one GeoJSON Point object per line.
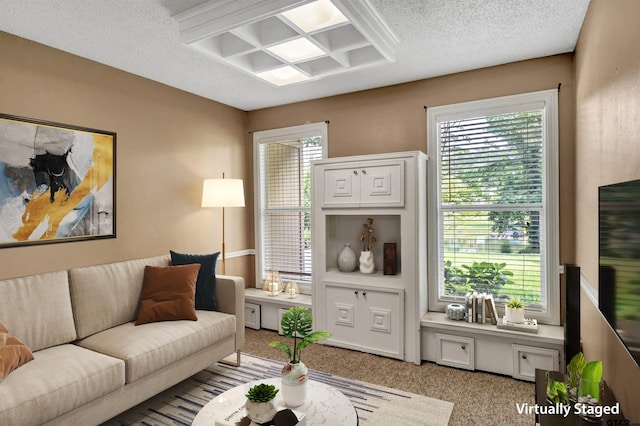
{"type": "Point", "coordinates": [168, 294]}
{"type": "Point", "coordinates": [105, 296]}
{"type": "Point", "coordinates": [13, 353]}
{"type": "Point", "coordinates": [149, 347]}
{"type": "Point", "coordinates": [37, 309]}
{"type": "Point", "coordinates": [206, 284]}
{"type": "Point", "coordinates": [58, 380]}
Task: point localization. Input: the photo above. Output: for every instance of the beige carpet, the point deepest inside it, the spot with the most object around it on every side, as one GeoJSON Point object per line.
{"type": "Point", "coordinates": [479, 398]}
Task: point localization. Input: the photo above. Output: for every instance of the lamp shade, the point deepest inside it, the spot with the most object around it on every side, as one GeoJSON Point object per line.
{"type": "Point", "coordinates": [223, 193]}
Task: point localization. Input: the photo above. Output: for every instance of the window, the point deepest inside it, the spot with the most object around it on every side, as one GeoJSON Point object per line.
{"type": "Point", "coordinates": [494, 215]}
{"type": "Point", "coordinates": [283, 200]}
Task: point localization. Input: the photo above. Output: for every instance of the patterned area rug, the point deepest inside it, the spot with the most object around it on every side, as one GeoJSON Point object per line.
{"type": "Point", "coordinates": [375, 405]}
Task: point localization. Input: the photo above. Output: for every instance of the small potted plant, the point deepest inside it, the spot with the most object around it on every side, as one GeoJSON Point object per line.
{"type": "Point", "coordinates": [260, 403]}
{"type": "Point", "coordinates": [296, 324]}
{"type": "Point", "coordinates": [514, 311]}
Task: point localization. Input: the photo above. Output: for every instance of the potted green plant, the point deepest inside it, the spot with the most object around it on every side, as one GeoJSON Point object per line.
{"type": "Point", "coordinates": [297, 324]}
{"type": "Point", "coordinates": [514, 311]}
{"type": "Point", "coordinates": [260, 404]}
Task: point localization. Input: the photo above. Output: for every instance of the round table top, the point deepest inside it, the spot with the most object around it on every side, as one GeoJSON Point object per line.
{"type": "Point", "coordinates": [325, 405]}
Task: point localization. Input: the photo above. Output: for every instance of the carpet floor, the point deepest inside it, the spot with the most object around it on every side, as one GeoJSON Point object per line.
{"type": "Point", "coordinates": [479, 398]}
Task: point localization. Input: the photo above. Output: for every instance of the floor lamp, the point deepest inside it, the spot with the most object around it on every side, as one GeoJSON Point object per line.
{"type": "Point", "coordinates": [223, 193]}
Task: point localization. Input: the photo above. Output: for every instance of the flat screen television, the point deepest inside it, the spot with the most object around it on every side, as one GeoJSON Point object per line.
{"type": "Point", "coordinates": [619, 261]}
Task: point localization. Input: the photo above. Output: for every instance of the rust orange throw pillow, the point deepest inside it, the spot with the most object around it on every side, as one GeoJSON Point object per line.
{"type": "Point", "coordinates": [168, 294]}
{"type": "Point", "coordinates": [13, 353]}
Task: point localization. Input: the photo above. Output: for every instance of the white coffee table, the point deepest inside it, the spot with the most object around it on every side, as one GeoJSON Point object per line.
{"type": "Point", "coordinates": [325, 405]}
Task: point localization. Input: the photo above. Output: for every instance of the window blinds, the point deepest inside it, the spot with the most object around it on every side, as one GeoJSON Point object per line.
{"type": "Point", "coordinates": [286, 199]}
{"type": "Point", "coordinates": [491, 205]}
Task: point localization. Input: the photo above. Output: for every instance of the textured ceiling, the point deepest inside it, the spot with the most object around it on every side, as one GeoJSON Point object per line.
{"type": "Point", "coordinates": [437, 37]}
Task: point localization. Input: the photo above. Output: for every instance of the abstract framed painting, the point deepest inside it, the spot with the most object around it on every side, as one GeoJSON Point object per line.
{"type": "Point", "coordinates": [57, 182]}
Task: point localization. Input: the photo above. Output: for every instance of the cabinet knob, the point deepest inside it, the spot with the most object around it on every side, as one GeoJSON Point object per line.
{"type": "Point", "coordinates": [463, 347]}
{"type": "Point", "coordinates": [355, 172]}
{"type": "Point", "coordinates": [355, 292]}
{"type": "Point", "coordinates": [364, 293]}
{"type": "Point", "coordinates": [364, 171]}
{"type": "Point", "coordinates": [524, 356]}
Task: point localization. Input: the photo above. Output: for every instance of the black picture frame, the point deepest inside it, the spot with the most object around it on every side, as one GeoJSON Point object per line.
{"type": "Point", "coordinates": [57, 182]}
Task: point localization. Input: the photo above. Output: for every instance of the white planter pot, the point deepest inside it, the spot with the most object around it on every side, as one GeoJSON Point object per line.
{"type": "Point", "coordinates": [261, 412]}
{"type": "Point", "coordinates": [514, 315]}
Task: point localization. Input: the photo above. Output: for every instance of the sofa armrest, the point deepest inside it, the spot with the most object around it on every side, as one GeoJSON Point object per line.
{"type": "Point", "coordinates": [230, 298]}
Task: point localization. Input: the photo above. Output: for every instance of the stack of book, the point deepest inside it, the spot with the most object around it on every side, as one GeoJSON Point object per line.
{"type": "Point", "coordinates": [481, 308]}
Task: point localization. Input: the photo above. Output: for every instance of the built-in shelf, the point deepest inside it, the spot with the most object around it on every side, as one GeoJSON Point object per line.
{"type": "Point", "coordinates": [259, 296]}
{"type": "Point", "coordinates": [553, 334]}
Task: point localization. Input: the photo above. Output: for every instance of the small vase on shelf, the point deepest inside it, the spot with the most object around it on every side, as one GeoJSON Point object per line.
{"type": "Point", "coordinates": [367, 264]}
{"type": "Point", "coordinates": [347, 259]}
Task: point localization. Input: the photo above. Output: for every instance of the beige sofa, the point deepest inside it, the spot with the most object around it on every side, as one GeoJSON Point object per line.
{"type": "Point", "coordinates": [90, 361]}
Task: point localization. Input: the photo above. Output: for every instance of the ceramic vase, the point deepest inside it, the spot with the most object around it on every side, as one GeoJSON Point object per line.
{"type": "Point", "coordinates": [347, 259]}
{"type": "Point", "coordinates": [514, 315]}
{"type": "Point", "coordinates": [294, 384]}
{"type": "Point", "coordinates": [261, 412]}
{"type": "Point", "coordinates": [367, 264]}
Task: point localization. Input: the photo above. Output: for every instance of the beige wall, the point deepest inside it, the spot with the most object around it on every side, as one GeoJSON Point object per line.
{"type": "Point", "coordinates": [393, 118]}
{"type": "Point", "coordinates": [607, 74]}
{"type": "Point", "coordinates": [168, 141]}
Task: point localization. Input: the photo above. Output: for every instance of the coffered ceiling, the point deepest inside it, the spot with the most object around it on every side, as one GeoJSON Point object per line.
{"type": "Point", "coordinates": [430, 38]}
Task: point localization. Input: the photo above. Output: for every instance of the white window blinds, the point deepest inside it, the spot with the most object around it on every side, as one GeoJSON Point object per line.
{"type": "Point", "coordinates": [285, 203]}
{"type": "Point", "coordinates": [491, 209]}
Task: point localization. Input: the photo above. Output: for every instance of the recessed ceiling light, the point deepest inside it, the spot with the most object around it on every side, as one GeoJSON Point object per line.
{"type": "Point", "coordinates": [297, 50]}
{"type": "Point", "coordinates": [283, 76]}
{"type": "Point", "coordinates": [315, 15]}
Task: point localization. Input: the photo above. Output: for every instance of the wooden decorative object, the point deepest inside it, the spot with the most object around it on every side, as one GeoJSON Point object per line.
{"type": "Point", "coordinates": [390, 260]}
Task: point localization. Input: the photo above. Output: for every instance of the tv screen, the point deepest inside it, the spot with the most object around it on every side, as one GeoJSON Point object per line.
{"type": "Point", "coordinates": [619, 281]}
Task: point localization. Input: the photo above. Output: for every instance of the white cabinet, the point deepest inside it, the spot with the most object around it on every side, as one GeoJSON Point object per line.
{"type": "Point", "coordinates": [374, 313]}
{"type": "Point", "coordinates": [366, 318]}
{"type": "Point", "coordinates": [368, 184]}
{"type": "Point", "coordinates": [252, 315]}
{"type": "Point", "coordinates": [484, 347]}
{"type": "Point", "coordinates": [455, 351]}
{"type": "Point", "coordinates": [527, 358]}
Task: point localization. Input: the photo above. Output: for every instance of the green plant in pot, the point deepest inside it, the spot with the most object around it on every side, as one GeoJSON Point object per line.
{"type": "Point", "coordinates": [514, 311]}
{"type": "Point", "coordinates": [297, 324]}
{"type": "Point", "coordinates": [260, 404]}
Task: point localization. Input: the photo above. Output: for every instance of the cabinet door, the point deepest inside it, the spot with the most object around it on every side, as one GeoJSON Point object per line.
{"type": "Point", "coordinates": [382, 185]}
{"type": "Point", "coordinates": [455, 351]}
{"type": "Point", "coordinates": [527, 358]}
{"type": "Point", "coordinates": [341, 187]}
{"type": "Point", "coordinates": [367, 319]}
{"type": "Point", "coordinates": [252, 315]}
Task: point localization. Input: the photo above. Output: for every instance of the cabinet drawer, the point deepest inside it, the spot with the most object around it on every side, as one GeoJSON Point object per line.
{"type": "Point", "coordinates": [252, 315]}
{"type": "Point", "coordinates": [455, 351]}
{"type": "Point", "coordinates": [527, 358]}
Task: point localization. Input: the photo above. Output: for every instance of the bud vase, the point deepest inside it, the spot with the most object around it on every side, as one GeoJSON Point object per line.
{"type": "Point", "coordinates": [367, 264]}
{"type": "Point", "coordinates": [347, 259]}
{"type": "Point", "coordinates": [294, 384]}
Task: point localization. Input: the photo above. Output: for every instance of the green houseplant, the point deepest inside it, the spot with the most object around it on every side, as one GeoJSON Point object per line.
{"type": "Point", "coordinates": [297, 324]}
{"type": "Point", "coordinates": [260, 403]}
{"type": "Point", "coordinates": [514, 311]}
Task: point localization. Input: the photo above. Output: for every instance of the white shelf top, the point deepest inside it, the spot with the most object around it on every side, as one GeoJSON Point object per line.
{"type": "Point", "coordinates": [258, 295]}
{"type": "Point", "coordinates": [546, 333]}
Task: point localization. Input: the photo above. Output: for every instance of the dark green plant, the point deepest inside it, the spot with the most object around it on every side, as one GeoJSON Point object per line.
{"type": "Point", "coordinates": [262, 393]}
{"type": "Point", "coordinates": [297, 324]}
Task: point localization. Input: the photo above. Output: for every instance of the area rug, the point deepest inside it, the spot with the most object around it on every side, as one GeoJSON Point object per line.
{"type": "Point", "coordinates": [375, 405]}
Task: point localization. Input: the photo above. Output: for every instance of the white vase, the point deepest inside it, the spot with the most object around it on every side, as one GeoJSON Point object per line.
{"type": "Point", "coordinates": [347, 259]}
{"type": "Point", "coordinates": [261, 412]}
{"type": "Point", "coordinates": [514, 315]}
{"type": "Point", "coordinates": [367, 264]}
{"type": "Point", "coordinates": [294, 384]}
